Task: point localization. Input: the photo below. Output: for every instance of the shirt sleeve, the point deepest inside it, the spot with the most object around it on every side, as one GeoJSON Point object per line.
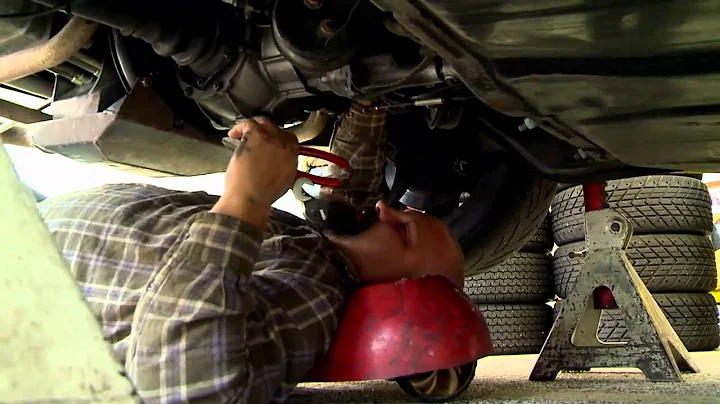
{"type": "Point", "coordinates": [360, 139]}
{"type": "Point", "coordinates": [198, 335]}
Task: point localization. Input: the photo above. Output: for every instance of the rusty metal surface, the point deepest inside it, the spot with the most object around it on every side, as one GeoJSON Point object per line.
{"type": "Point", "coordinates": [572, 344]}
{"type": "Point", "coordinates": [68, 41]}
{"type": "Point", "coordinates": [142, 133]}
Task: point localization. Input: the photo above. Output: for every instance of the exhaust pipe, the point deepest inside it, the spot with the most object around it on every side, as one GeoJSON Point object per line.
{"type": "Point", "coordinates": [58, 49]}
{"type": "Point", "coordinates": [311, 128]}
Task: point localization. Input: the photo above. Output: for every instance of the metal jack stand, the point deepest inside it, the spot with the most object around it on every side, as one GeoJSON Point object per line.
{"type": "Point", "coordinates": [608, 281]}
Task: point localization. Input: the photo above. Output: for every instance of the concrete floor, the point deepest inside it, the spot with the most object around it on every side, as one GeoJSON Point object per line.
{"type": "Point", "coordinates": [503, 379]}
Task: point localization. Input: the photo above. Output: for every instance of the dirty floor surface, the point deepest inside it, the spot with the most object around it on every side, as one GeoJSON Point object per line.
{"type": "Point", "coordinates": [503, 379]}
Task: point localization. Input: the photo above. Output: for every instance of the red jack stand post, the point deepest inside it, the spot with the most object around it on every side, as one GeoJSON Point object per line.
{"type": "Point", "coordinates": [608, 281]}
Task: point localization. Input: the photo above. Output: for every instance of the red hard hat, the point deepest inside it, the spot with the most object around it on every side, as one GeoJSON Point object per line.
{"type": "Point", "coordinates": [402, 328]}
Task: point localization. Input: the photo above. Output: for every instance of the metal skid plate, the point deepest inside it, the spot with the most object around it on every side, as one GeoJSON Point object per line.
{"type": "Point", "coordinates": [141, 135]}
{"type": "Point", "coordinates": [654, 347]}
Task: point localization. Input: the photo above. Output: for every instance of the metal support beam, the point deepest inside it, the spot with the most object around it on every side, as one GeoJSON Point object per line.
{"type": "Point", "coordinates": [34, 85]}
{"type": "Point", "coordinates": [21, 114]}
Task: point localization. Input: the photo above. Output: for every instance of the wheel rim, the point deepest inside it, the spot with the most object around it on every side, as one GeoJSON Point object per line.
{"type": "Point", "coordinates": [440, 385]}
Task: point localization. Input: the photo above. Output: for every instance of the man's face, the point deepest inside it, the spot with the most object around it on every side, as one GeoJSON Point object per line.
{"type": "Point", "coordinates": [404, 244]}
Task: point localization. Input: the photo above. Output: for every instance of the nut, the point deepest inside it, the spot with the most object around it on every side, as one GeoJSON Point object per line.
{"type": "Point", "coordinates": [313, 4]}
{"type": "Point", "coordinates": [327, 27]}
{"type": "Point", "coordinates": [528, 124]}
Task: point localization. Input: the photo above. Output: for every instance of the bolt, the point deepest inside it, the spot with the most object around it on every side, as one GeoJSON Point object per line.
{"type": "Point", "coordinates": [528, 124]}
{"type": "Point", "coordinates": [146, 81]}
{"type": "Point", "coordinates": [577, 254]}
{"type": "Point", "coordinates": [615, 227]}
{"type": "Point", "coordinates": [313, 4]}
{"type": "Point", "coordinates": [327, 27]}
{"type": "Point", "coordinates": [217, 86]}
{"type": "Point", "coordinates": [589, 154]}
{"type": "Point", "coordinates": [188, 91]}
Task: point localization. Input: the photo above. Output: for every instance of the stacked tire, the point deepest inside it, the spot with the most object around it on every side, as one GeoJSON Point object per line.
{"type": "Point", "coordinates": [513, 295]}
{"type": "Point", "coordinates": [670, 250]}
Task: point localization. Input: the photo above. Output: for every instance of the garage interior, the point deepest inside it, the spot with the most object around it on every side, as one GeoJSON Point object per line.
{"type": "Point", "coordinates": [671, 252]}
{"type": "Point", "coordinates": [662, 315]}
{"type": "Point", "coordinates": [518, 311]}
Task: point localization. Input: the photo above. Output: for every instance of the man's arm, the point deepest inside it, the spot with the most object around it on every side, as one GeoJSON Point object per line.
{"type": "Point", "coordinates": [362, 140]}
{"type": "Point", "coordinates": [188, 338]}
{"type": "Point", "coordinates": [206, 331]}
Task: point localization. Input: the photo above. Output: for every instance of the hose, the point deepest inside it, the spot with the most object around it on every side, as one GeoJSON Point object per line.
{"type": "Point", "coordinates": [311, 128]}
{"type": "Point", "coordinates": [58, 49]}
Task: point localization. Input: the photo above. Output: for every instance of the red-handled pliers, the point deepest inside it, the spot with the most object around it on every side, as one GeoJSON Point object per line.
{"type": "Point", "coordinates": [302, 178]}
{"type": "Point", "coordinates": [319, 154]}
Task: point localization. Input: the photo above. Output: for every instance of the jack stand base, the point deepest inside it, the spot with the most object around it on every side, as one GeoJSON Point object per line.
{"type": "Point", "coordinates": [572, 344]}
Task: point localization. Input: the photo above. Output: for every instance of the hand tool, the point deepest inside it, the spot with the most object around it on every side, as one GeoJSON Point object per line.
{"type": "Point", "coordinates": [303, 178]}
{"type": "Point", "coordinates": [333, 215]}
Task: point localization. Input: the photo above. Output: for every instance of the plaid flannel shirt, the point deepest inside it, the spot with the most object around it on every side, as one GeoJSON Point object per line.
{"type": "Point", "coordinates": [205, 308]}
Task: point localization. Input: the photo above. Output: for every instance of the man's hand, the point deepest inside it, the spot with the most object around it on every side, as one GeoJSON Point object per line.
{"type": "Point", "coordinates": [261, 170]}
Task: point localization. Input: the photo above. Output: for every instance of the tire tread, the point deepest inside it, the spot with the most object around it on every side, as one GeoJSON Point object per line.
{"type": "Point", "coordinates": [515, 230]}
{"type": "Point", "coordinates": [523, 278]}
{"type": "Point", "coordinates": [665, 263]}
{"type": "Point", "coordinates": [693, 316]}
{"type": "Point", "coordinates": [653, 204]}
{"type": "Point", "coordinates": [517, 328]}
{"type": "Point", "coordinates": [542, 240]}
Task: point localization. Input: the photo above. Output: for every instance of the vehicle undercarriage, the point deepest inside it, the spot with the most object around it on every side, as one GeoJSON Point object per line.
{"type": "Point", "coordinates": [490, 103]}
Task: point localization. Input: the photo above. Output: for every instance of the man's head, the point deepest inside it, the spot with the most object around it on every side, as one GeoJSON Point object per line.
{"type": "Point", "coordinates": [403, 244]}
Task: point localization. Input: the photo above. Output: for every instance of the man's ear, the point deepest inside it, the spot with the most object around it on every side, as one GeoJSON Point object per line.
{"type": "Point", "coordinates": [391, 215]}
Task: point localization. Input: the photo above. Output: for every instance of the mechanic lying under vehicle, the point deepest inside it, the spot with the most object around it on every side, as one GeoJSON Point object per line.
{"type": "Point", "coordinates": [210, 299]}
{"type": "Point", "coordinates": [490, 104]}
{"type": "Point", "coordinates": [496, 101]}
